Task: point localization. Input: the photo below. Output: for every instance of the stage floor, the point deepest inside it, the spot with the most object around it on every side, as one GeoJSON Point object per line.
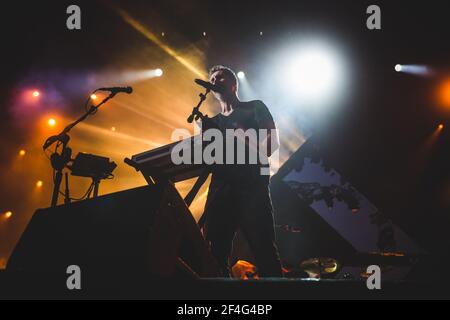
{"type": "Point", "coordinates": [108, 286]}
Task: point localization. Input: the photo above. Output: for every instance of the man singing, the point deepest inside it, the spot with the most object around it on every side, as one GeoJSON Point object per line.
{"type": "Point", "coordinates": [238, 196]}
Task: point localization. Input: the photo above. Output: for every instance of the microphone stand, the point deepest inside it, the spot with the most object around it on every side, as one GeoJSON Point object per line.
{"type": "Point", "coordinates": [60, 160]}
{"type": "Point", "coordinates": [196, 114]}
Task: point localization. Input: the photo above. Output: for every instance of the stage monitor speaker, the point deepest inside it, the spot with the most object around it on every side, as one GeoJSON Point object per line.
{"type": "Point", "coordinates": [144, 230]}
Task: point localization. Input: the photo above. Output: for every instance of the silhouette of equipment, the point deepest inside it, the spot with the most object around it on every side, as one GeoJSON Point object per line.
{"type": "Point", "coordinates": [143, 231]}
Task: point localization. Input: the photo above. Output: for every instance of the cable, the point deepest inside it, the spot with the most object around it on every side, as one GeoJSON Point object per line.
{"type": "Point", "coordinates": [89, 190]}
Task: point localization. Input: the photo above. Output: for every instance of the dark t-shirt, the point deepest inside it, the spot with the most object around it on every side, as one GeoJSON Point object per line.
{"type": "Point", "coordinates": [246, 115]}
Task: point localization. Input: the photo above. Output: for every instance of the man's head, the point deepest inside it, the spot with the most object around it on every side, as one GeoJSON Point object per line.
{"type": "Point", "coordinates": [226, 79]}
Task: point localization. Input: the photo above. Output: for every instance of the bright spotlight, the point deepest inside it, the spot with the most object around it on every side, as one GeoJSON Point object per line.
{"type": "Point", "coordinates": [8, 214]}
{"type": "Point", "coordinates": [241, 75]}
{"type": "Point", "coordinates": [22, 152]}
{"type": "Point", "coordinates": [312, 73]}
{"type": "Point", "coordinates": [39, 184]}
{"type": "Point", "coordinates": [138, 75]}
{"type": "Point", "coordinates": [51, 122]}
{"type": "Point", "coordinates": [113, 129]}
{"type": "Point", "coordinates": [93, 96]}
{"type": "Point", "coordinates": [420, 70]}
{"type": "Point", "coordinates": [158, 72]}
{"type": "Point", "coordinates": [36, 93]}
{"type": "Point", "coordinates": [441, 126]}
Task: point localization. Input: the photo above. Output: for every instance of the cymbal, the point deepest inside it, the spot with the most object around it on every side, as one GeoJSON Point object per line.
{"type": "Point", "coordinates": [320, 266]}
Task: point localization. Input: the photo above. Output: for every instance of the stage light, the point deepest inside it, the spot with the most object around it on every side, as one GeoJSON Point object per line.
{"type": "Point", "coordinates": [158, 72]}
{"type": "Point", "coordinates": [312, 73]}
{"type": "Point", "coordinates": [51, 122]}
{"type": "Point", "coordinates": [190, 64]}
{"type": "Point", "coordinates": [444, 94]}
{"type": "Point", "coordinates": [441, 126]}
{"type": "Point", "coordinates": [8, 214]}
{"type": "Point", "coordinates": [241, 75]}
{"type": "Point", "coordinates": [113, 129]}
{"type": "Point", "coordinates": [39, 184]}
{"type": "Point", "coordinates": [204, 34]}
{"type": "Point", "coordinates": [416, 69]}
{"type": "Point", "coordinates": [36, 94]}
{"type": "Point", "coordinates": [93, 96]}
{"type": "Point", "coordinates": [131, 77]}
{"type": "Point", "coordinates": [245, 87]}
{"type": "Point", "coordinates": [22, 152]}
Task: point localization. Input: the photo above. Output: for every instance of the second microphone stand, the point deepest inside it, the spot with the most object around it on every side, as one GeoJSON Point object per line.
{"type": "Point", "coordinates": [60, 160]}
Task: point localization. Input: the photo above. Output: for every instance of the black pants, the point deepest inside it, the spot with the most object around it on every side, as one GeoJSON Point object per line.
{"type": "Point", "coordinates": [247, 207]}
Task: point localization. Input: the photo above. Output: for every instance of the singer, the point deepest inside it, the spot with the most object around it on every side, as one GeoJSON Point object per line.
{"type": "Point", "coordinates": [238, 196]}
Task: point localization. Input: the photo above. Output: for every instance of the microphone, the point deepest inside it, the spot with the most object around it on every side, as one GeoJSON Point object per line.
{"type": "Point", "coordinates": [62, 137]}
{"type": "Point", "coordinates": [117, 89]}
{"type": "Point", "coordinates": [50, 141]}
{"type": "Point", "coordinates": [209, 86]}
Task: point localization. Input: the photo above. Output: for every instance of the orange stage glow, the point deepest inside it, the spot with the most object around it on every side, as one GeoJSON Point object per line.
{"type": "Point", "coordinates": [441, 126]}
{"type": "Point", "coordinates": [190, 64]}
{"type": "Point", "coordinates": [51, 122]}
{"type": "Point", "coordinates": [39, 184]}
{"type": "Point", "coordinates": [8, 214]}
{"type": "Point", "coordinates": [444, 94]}
{"type": "Point", "coordinates": [93, 96]}
{"type": "Point", "coordinates": [22, 152]}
